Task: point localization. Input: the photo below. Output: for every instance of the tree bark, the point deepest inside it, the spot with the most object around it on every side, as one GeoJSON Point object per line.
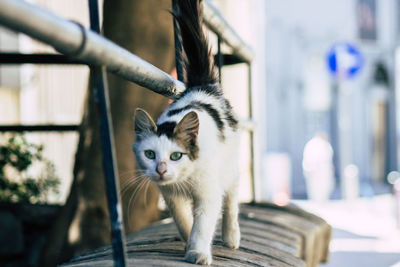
{"type": "Point", "coordinates": [149, 34]}
{"type": "Point", "coordinates": [144, 28]}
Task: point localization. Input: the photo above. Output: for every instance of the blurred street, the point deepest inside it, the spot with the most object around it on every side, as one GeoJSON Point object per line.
{"type": "Point", "coordinates": [364, 231]}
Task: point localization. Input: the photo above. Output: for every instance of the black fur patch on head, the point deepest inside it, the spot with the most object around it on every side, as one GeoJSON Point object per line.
{"type": "Point", "coordinates": [184, 133]}
{"type": "Point", "coordinates": [166, 128]}
{"type": "Point", "coordinates": [197, 105]}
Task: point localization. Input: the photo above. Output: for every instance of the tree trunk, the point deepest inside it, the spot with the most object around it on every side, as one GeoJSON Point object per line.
{"type": "Point", "coordinates": [145, 28]}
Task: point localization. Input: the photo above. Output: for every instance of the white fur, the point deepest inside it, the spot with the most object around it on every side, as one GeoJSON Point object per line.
{"type": "Point", "coordinates": [197, 191]}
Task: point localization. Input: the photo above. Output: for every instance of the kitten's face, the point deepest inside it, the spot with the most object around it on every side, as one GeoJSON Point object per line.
{"type": "Point", "coordinates": [162, 160]}
{"type": "Point", "coordinates": [165, 153]}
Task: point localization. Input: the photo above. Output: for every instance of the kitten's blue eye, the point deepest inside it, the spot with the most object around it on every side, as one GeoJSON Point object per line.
{"type": "Point", "coordinates": [176, 156]}
{"type": "Point", "coordinates": [150, 154]}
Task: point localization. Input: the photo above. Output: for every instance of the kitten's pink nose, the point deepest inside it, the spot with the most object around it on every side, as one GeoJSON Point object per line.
{"type": "Point", "coordinates": [161, 168]}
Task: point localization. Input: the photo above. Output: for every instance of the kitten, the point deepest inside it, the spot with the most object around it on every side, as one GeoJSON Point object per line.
{"type": "Point", "coordinates": [191, 153]}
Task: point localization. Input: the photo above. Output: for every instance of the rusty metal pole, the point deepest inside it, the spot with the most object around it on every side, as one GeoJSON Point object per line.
{"type": "Point", "coordinates": [100, 87]}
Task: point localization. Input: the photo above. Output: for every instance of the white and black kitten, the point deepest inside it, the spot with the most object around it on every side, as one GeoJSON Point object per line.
{"type": "Point", "coordinates": [191, 153]}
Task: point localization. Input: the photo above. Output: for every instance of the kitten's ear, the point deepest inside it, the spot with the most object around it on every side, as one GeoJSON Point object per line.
{"type": "Point", "coordinates": [144, 124]}
{"type": "Point", "coordinates": [188, 128]}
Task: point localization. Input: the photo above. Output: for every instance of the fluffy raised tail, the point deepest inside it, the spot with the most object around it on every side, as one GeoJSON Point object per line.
{"type": "Point", "coordinates": [198, 63]}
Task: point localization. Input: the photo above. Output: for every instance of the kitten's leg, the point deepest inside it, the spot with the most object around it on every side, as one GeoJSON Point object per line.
{"type": "Point", "coordinates": [205, 219]}
{"type": "Point", "coordinates": [230, 224]}
{"type": "Point", "coordinates": [181, 211]}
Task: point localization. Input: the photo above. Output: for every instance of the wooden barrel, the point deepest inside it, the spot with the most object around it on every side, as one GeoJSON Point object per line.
{"type": "Point", "coordinates": [271, 236]}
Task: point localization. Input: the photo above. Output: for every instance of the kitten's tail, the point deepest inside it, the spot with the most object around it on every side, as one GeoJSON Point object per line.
{"type": "Point", "coordinates": [198, 64]}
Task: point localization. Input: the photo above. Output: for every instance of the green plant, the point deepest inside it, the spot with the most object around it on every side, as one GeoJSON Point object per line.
{"type": "Point", "coordinates": [17, 157]}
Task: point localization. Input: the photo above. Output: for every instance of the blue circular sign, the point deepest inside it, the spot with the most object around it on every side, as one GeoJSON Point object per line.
{"type": "Point", "coordinates": [344, 60]}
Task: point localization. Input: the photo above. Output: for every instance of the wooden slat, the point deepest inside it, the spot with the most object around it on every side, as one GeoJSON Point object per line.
{"type": "Point", "coordinates": [314, 231]}
{"type": "Point", "coordinates": [271, 236]}
{"type": "Point", "coordinates": [286, 241]}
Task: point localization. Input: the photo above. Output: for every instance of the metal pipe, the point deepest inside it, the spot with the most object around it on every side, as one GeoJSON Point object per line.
{"type": "Point", "coordinates": [40, 128]}
{"type": "Point", "coordinates": [216, 23]}
{"type": "Point", "coordinates": [17, 58]}
{"type": "Point", "coordinates": [220, 60]}
{"type": "Point", "coordinates": [251, 136]}
{"type": "Point", "coordinates": [67, 36]}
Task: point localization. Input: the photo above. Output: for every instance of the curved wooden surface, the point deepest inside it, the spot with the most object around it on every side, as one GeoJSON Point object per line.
{"type": "Point", "coordinates": [271, 236]}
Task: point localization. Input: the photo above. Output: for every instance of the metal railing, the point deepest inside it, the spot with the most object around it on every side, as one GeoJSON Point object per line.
{"type": "Point", "coordinates": [86, 46]}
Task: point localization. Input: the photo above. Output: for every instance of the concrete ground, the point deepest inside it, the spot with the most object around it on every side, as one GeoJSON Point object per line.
{"type": "Point", "coordinates": [365, 231]}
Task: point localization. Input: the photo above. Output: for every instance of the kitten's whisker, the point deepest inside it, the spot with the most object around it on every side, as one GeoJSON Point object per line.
{"type": "Point", "coordinates": [134, 197]}
{"type": "Point", "coordinates": [134, 177]}
{"type": "Point", "coordinates": [187, 192]}
{"type": "Point", "coordinates": [128, 187]}
{"type": "Point", "coordinates": [140, 187]}
{"type": "Point", "coordinates": [145, 192]}
{"type": "Point", "coordinates": [174, 190]}
{"type": "Point", "coordinates": [189, 184]}
{"type": "Point", "coordinates": [137, 188]}
{"type": "Point", "coordinates": [179, 188]}
{"type": "Point", "coordinates": [129, 209]}
{"type": "Point", "coordinates": [124, 174]}
{"type": "Point", "coordinates": [121, 174]}
{"type": "Point", "coordinates": [128, 181]}
{"type": "Point", "coordinates": [138, 174]}
{"type": "Point", "coordinates": [129, 184]}
{"type": "Point", "coordinates": [183, 190]}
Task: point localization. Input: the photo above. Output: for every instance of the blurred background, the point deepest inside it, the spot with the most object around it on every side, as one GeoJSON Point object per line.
{"type": "Point", "coordinates": [325, 102]}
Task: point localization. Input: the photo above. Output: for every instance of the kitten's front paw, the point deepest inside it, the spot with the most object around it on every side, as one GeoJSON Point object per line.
{"type": "Point", "coordinates": [232, 238]}
{"type": "Point", "coordinates": [197, 257]}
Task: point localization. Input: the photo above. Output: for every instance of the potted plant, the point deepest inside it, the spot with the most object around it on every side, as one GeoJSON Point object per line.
{"type": "Point", "coordinates": [27, 180]}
